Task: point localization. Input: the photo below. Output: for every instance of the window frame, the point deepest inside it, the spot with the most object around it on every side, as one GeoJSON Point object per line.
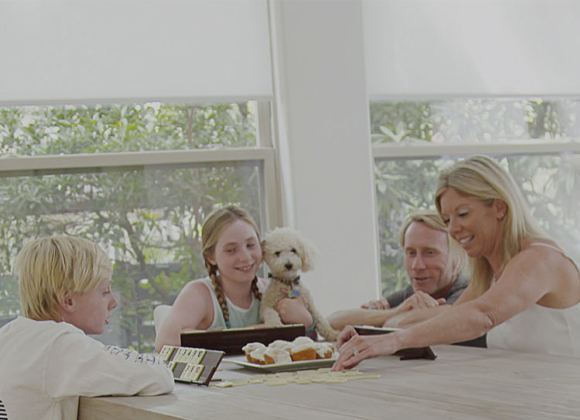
{"type": "Point", "coordinates": [263, 154]}
{"type": "Point", "coordinates": [430, 150]}
{"type": "Point", "coordinates": [427, 150]}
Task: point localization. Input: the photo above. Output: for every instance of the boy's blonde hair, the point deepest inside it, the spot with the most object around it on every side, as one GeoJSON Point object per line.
{"type": "Point", "coordinates": [432, 218]}
{"type": "Point", "coordinates": [484, 178]}
{"type": "Point", "coordinates": [50, 267]}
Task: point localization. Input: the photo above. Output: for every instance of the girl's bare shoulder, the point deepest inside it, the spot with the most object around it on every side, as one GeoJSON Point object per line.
{"type": "Point", "coordinates": [194, 288]}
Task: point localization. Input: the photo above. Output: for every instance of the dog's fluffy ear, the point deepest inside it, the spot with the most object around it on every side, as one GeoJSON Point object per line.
{"type": "Point", "coordinates": [309, 255]}
{"type": "Point", "coordinates": [263, 246]}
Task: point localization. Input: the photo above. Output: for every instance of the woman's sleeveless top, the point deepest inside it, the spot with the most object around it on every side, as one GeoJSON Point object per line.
{"type": "Point", "coordinates": [539, 329]}
{"type": "Point", "coordinates": [239, 317]}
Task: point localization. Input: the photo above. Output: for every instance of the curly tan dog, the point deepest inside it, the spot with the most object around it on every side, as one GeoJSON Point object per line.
{"type": "Point", "coordinates": [287, 254]}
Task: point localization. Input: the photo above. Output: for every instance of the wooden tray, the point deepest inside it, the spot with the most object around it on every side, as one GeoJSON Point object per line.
{"type": "Point", "coordinates": [405, 354]}
{"type": "Point", "coordinates": [231, 341]}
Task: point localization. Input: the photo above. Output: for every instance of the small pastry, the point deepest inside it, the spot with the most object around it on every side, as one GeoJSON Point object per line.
{"type": "Point", "coordinates": [303, 352]}
{"type": "Point", "coordinates": [258, 357]}
{"type": "Point", "coordinates": [250, 347]}
{"type": "Point", "coordinates": [281, 345]}
{"type": "Point", "coordinates": [298, 341]}
{"type": "Point", "coordinates": [323, 351]}
{"type": "Point", "coordinates": [273, 355]}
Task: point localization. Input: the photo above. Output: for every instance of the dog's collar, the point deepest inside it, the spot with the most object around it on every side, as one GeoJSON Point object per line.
{"type": "Point", "coordinates": [292, 282]}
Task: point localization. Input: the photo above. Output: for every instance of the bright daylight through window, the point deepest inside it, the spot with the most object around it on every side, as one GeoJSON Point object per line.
{"type": "Point", "coordinates": [135, 178]}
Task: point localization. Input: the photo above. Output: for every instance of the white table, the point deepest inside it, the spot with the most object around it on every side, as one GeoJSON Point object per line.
{"type": "Point", "coordinates": [462, 383]}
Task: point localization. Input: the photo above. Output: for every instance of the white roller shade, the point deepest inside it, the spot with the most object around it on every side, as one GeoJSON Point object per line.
{"type": "Point", "coordinates": [87, 50]}
{"type": "Point", "coordinates": [474, 47]}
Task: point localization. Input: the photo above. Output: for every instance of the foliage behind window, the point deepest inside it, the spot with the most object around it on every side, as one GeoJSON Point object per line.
{"type": "Point", "coordinates": [68, 129]}
{"type": "Point", "coordinates": [550, 182]}
{"type": "Point", "coordinates": [148, 219]}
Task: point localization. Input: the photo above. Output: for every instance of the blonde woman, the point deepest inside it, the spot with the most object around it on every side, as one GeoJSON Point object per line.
{"type": "Point", "coordinates": [525, 290]}
{"type": "Point", "coordinates": [46, 359]}
{"type": "Point", "coordinates": [230, 296]}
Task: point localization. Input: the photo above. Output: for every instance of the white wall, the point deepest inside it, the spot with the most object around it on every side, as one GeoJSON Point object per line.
{"type": "Point", "coordinates": [323, 131]}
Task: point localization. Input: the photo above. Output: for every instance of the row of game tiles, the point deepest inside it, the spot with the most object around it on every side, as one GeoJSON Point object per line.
{"type": "Point", "coordinates": [191, 373]}
{"type": "Point", "coordinates": [182, 354]}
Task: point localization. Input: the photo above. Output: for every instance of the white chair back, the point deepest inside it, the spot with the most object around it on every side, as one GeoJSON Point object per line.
{"type": "Point", "coordinates": [159, 314]}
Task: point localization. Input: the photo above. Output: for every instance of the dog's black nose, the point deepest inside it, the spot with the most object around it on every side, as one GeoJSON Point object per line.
{"type": "Point", "coordinates": [288, 266]}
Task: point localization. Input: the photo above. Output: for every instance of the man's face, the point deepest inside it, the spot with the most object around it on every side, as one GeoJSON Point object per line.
{"type": "Point", "coordinates": [426, 259]}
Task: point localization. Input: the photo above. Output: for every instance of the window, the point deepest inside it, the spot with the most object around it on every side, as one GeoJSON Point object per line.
{"type": "Point", "coordinates": [138, 179]}
{"type": "Point", "coordinates": [535, 138]}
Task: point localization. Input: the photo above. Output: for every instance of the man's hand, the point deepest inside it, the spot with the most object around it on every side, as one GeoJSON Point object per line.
{"type": "Point", "coordinates": [406, 315]}
{"type": "Point", "coordinates": [382, 303]}
{"type": "Point", "coordinates": [419, 300]}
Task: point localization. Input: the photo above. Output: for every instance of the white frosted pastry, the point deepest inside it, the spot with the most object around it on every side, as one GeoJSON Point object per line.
{"type": "Point", "coordinates": [323, 351]}
{"type": "Point", "coordinates": [303, 352]}
{"type": "Point", "coordinates": [273, 355]}
{"type": "Point", "coordinates": [250, 347]}
{"type": "Point", "coordinates": [299, 341]}
{"type": "Point", "coordinates": [257, 356]}
{"type": "Point", "coordinates": [253, 346]}
{"type": "Point", "coordinates": [281, 345]}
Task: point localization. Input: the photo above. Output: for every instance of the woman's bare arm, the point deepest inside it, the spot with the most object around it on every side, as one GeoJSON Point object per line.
{"type": "Point", "coordinates": [410, 318]}
{"type": "Point", "coordinates": [358, 316]}
{"type": "Point", "coordinates": [378, 318]}
{"type": "Point", "coordinates": [527, 278]}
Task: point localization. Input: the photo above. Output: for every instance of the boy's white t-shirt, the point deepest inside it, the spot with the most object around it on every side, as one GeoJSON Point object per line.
{"type": "Point", "coordinates": [45, 366]}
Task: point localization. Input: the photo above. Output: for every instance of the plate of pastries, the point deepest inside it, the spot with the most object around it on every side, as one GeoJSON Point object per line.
{"type": "Point", "coordinates": [281, 355]}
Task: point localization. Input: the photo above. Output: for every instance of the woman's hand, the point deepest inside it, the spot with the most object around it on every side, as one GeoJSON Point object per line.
{"type": "Point", "coordinates": [353, 348]}
{"type": "Point", "coordinates": [293, 311]}
{"type": "Point", "coordinates": [382, 303]}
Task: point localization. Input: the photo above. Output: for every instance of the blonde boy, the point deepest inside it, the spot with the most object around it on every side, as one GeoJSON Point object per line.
{"type": "Point", "coordinates": [46, 359]}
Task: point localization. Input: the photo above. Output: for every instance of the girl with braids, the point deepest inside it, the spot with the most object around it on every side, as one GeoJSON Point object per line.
{"type": "Point", "coordinates": [230, 296]}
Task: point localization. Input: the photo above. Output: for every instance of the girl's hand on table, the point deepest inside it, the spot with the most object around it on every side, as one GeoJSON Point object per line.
{"type": "Point", "coordinates": [293, 311]}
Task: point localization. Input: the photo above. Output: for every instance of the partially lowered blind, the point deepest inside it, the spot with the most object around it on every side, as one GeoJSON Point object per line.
{"type": "Point", "coordinates": [444, 48]}
{"type": "Point", "coordinates": [87, 50]}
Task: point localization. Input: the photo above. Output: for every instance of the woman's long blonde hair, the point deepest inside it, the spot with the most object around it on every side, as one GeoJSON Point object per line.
{"type": "Point", "coordinates": [484, 178]}
{"type": "Point", "coordinates": [212, 229]}
{"type": "Point", "coordinates": [50, 267]}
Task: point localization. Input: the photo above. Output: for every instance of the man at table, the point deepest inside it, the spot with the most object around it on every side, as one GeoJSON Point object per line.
{"type": "Point", "coordinates": [433, 263]}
